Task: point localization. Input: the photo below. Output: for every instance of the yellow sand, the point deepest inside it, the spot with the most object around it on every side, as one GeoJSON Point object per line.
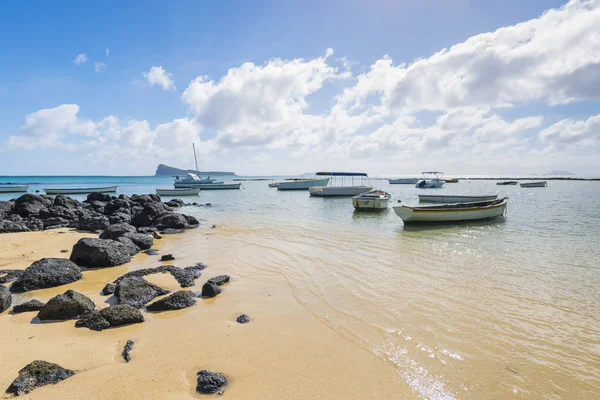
{"type": "Point", "coordinates": [283, 353]}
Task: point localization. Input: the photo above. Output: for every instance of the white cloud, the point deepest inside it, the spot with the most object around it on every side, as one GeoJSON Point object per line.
{"type": "Point", "coordinates": [99, 66]}
{"type": "Point", "coordinates": [80, 59]}
{"type": "Point", "coordinates": [568, 131]}
{"type": "Point", "coordinates": [107, 51]}
{"type": "Point", "coordinates": [159, 76]}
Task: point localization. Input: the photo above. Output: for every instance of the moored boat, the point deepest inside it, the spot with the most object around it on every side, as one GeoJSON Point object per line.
{"type": "Point", "coordinates": [403, 181]}
{"type": "Point", "coordinates": [431, 180]}
{"type": "Point", "coordinates": [342, 184]}
{"type": "Point", "coordinates": [84, 190]}
{"type": "Point", "coordinates": [193, 191]}
{"type": "Point", "coordinates": [302, 184]}
{"type": "Point", "coordinates": [534, 184]}
{"type": "Point", "coordinates": [504, 183]}
{"type": "Point", "coordinates": [451, 180]}
{"type": "Point", "coordinates": [13, 188]}
{"type": "Point", "coordinates": [191, 180]}
{"type": "Point", "coordinates": [450, 198]}
{"type": "Point", "coordinates": [453, 212]}
{"type": "Point", "coordinates": [273, 184]}
{"type": "Point", "coordinates": [372, 200]}
{"type": "Point", "coordinates": [218, 186]}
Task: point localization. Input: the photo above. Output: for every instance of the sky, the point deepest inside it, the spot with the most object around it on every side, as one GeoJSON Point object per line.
{"type": "Point", "coordinates": [388, 87]}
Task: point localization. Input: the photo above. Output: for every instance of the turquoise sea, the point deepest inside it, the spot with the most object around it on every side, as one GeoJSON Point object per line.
{"type": "Point", "coordinates": [497, 309]}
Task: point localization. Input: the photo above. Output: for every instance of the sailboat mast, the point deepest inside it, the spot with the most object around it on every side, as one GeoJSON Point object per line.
{"type": "Point", "coordinates": [195, 159]}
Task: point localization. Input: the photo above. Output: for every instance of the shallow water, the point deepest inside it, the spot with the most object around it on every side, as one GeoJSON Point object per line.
{"type": "Point", "coordinates": [497, 309]}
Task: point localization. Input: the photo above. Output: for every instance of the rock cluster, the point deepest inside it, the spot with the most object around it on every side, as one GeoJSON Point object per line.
{"type": "Point", "coordinates": [121, 314]}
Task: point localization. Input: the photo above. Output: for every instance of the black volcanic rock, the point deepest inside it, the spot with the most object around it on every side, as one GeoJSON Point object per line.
{"type": "Point", "coordinates": [10, 275]}
{"type": "Point", "coordinates": [126, 350]}
{"type": "Point", "coordinates": [111, 317]}
{"type": "Point", "coordinates": [144, 242]}
{"type": "Point", "coordinates": [99, 253]}
{"type": "Point", "coordinates": [69, 305]}
{"type": "Point", "coordinates": [5, 298]}
{"type": "Point", "coordinates": [131, 247]}
{"type": "Point", "coordinates": [210, 289]}
{"type": "Point", "coordinates": [167, 257]}
{"type": "Point", "coordinates": [31, 305]}
{"type": "Point", "coordinates": [184, 276]}
{"type": "Point", "coordinates": [37, 374]}
{"type": "Point", "coordinates": [95, 196]}
{"type": "Point", "coordinates": [47, 273]}
{"type": "Point", "coordinates": [119, 218]}
{"type": "Point", "coordinates": [136, 291]}
{"type": "Point", "coordinates": [243, 319]}
{"type": "Point", "coordinates": [109, 289]}
{"type": "Point", "coordinates": [176, 301]}
{"type": "Point", "coordinates": [117, 206]}
{"type": "Point", "coordinates": [30, 204]}
{"type": "Point", "coordinates": [92, 221]}
{"type": "Point", "coordinates": [220, 280]}
{"type": "Point", "coordinates": [173, 221]}
{"type": "Point", "coordinates": [116, 231]}
{"type": "Point", "coordinates": [210, 382]}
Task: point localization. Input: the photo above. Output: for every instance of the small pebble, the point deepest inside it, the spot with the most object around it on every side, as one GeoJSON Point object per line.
{"type": "Point", "coordinates": [167, 257]}
{"type": "Point", "coordinates": [243, 319]}
{"type": "Point", "coordinates": [64, 251]}
{"type": "Point", "coordinates": [128, 347]}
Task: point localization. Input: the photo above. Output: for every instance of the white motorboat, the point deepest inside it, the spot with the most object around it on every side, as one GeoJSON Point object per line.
{"type": "Point", "coordinates": [273, 184]}
{"type": "Point", "coordinates": [403, 181]}
{"type": "Point", "coordinates": [431, 180]}
{"type": "Point", "coordinates": [449, 198]}
{"type": "Point", "coordinates": [13, 188]}
{"type": "Point", "coordinates": [84, 190]}
{"type": "Point", "coordinates": [218, 186]}
{"type": "Point", "coordinates": [302, 184]}
{"type": "Point", "coordinates": [453, 212]}
{"type": "Point", "coordinates": [342, 184]}
{"type": "Point", "coordinates": [193, 191]}
{"type": "Point", "coordinates": [191, 180]}
{"type": "Point", "coordinates": [534, 184]}
{"type": "Point", "coordinates": [372, 200]}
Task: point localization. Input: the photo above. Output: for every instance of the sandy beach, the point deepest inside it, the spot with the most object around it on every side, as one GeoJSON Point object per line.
{"type": "Point", "coordinates": [283, 353]}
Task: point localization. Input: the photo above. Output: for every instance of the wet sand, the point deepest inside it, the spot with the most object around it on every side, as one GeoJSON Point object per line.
{"type": "Point", "coordinates": [285, 352]}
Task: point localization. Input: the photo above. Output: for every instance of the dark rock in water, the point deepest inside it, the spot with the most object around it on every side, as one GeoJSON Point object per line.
{"type": "Point", "coordinates": [30, 204]}
{"type": "Point", "coordinates": [119, 218]}
{"type": "Point", "coordinates": [173, 221]}
{"type": "Point", "coordinates": [220, 280]}
{"type": "Point", "coordinates": [69, 305]}
{"type": "Point", "coordinates": [136, 291]}
{"type": "Point", "coordinates": [108, 289]}
{"type": "Point", "coordinates": [126, 350]}
{"type": "Point", "coordinates": [10, 275]}
{"type": "Point", "coordinates": [31, 305]}
{"type": "Point", "coordinates": [176, 301]}
{"type": "Point", "coordinates": [185, 277]}
{"type": "Point", "coordinates": [117, 205]}
{"type": "Point", "coordinates": [210, 290]}
{"type": "Point", "coordinates": [155, 235]}
{"type": "Point", "coordinates": [243, 319]}
{"type": "Point", "coordinates": [92, 221]}
{"type": "Point", "coordinates": [151, 252]}
{"type": "Point", "coordinates": [141, 240]}
{"type": "Point", "coordinates": [99, 253]}
{"type": "Point", "coordinates": [167, 257]}
{"type": "Point", "coordinates": [142, 199]}
{"type": "Point", "coordinates": [47, 273]}
{"type": "Point", "coordinates": [170, 231]}
{"type": "Point", "coordinates": [131, 247]}
{"type": "Point", "coordinates": [8, 226]}
{"type": "Point", "coordinates": [116, 231]}
{"type": "Point", "coordinates": [94, 321]}
{"type": "Point", "coordinates": [98, 197]}
{"type": "Point", "coordinates": [195, 270]}
{"type": "Point", "coordinates": [192, 221]}
{"type": "Point", "coordinates": [5, 298]}
{"type": "Point", "coordinates": [36, 374]}
{"type": "Point", "coordinates": [148, 213]}
{"type": "Point", "coordinates": [110, 317]}
{"type": "Point", "coordinates": [210, 382]}
{"type": "Point", "coordinates": [175, 203]}
{"type": "Point", "coordinates": [148, 230]}
{"type": "Point", "coordinates": [66, 202]}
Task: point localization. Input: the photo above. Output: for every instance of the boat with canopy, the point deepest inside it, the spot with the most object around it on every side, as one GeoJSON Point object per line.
{"type": "Point", "coordinates": [341, 184]}
{"type": "Point", "coordinates": [431, 180]}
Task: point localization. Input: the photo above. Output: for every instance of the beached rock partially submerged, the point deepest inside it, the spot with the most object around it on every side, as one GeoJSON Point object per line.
{"type": "Point", "coordinates": [108, 289]}
{"type": "Point", "coordinates": [47, 273]}
{"type": "Point", "coordinates": [37, 374]}
{"type": "Point", "coordinates": [5, 298]}
{"type": "Point", "coordinates": [220, 280]}
{"type": "Point", "coordinates": [136, 291]}
{"type": "Point", "coordinates": [176, 301]}
{"type": "Point", "coordinates": [126, 350]}
{"type": "Point", "coordinates": [99, 253]}
{"type": "Point", "coordinates": [184, 276]}
{"type": "Point", "coordinates": [210, 382]}
{"type": "Point", "coordinates": [29, 306]}
{"type": "Point", "coordinates": [110, 317]}
{"type": "Point", "coordinates": [69, 305]}
{"type": "Point", "coordinates": [210, 290]}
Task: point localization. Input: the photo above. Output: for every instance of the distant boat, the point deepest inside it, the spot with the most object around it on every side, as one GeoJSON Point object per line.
{"type": "Point", "coordinates": [403, 181]}
{"type": "Point", "coordinates": [105, 189]}
{"type": "Point", "coordinates": [448, 199]}
{"type": "Point", "coordinates": [191, 180]}
{"type": "Point", "coordinates": [431, 180]}
{"type": "Point", "coordinates": [507, 183]}
{"type": "Point", "coordinates": [453, 212]}
{"type": "Point", "coordinates": [302, 184]}
{"type": "Point", "coordinates": [13, 188]}
{"type": "Point", "coordinates": [273, 184]}
{"type": "Point", "coordinates": [372, 200]}
{"type": "Point", "coordinates": [534, 184]}
{"type": "Point", "coordinates": [218, 186]}
{"type": "Point", "coordinates": [451, 180]}
{"type": "Point", "coordinates": [194, 191]}
{"type": "Point", "coordinates": [342, 184]}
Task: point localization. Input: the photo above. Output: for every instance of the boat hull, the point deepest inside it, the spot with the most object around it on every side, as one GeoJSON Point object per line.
{"type": "Point", "coordinates": [409, 181]}
{"type": "Point", "coordinates": [338, 191]}
{"type": "Point", "coordinates": [451, 180]}
{"type": "Point", "coordinates": [370, 204]}
{"type": "Point", "coordinates": [218, 186]}
{"type": "Point", "coordinates": [429, 184]}
{"type": "Point", "coordinates": [470, 212]}
{"type": "Point", "coordinates": [448, 199]}
{"type": "Point", "coordinates": [302, 184]}
{"type": "Point", "coordinates": [507, 183]}
{"type": "Point", "coordinates": [274, 184]}
{"type": "Point", "coordinates": [534, 184]}
{"type": "Point", "coordinates": [105, 189]}
{"type": "Point", "coordinates": [14, 188]}
{"type": "Point", "coordinates": [178, 192]}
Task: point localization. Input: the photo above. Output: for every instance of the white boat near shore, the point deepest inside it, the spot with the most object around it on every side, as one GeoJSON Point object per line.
{"type": "Point", "coordinates": [194, 191]}
{"type": "Point", "coordinates": [403, 181]}
{"type": "Point", "coordinates": [534, 184]}
{"type": "Point", "coordinates": [342, 184]}
{"type": "Point", "coordinates": [431, 180]}
{"type": "Point", "coordinates": [84, 190]}
{"type": "Point", "coordinates": [449, 198]}
{"type": "Point", "coordinates": [372, 200]}
{"type": "Point", "coordinates": [13, 188]}
{"type": "Point", "coordinates": [218, 186]}
{"type": "Point", "coordinates": [453, 212]}
{"type": "Point", "coordinates": [302, 184]}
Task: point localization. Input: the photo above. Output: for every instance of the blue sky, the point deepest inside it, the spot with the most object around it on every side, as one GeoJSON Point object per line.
{"type": "Point", "coordinates": [189, 39]}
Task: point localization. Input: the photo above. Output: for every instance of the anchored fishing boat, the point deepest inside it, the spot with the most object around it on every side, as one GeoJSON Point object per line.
{"type": "Point", "coordinates": [342, 184]}
{"type": "Point", "coordinates": [431, 180]}
{"type": "Point", "coordinates": [218, 186]}
{"type": "Point", "coordinates": [403, 181]}
{"type": "Point", "coordinates": [534, 184]}
{"type": "Point", "coordinates": [273, 184]}
{"type": "Point", "coordinates": [372, 200]}
{"type": "Point", "coordinates": [83, 190]}
{"type": "Point", "coordinates": [453, 212]}
{"type": "Point", "coordinates": [13, 188]}
{"type": "Point", "coordinates": [302, 184]}
{"type": "Point", "coordinates": [504, 183]}
{"type": "Point", "coordinates": [449, 198]}
{"type": "Point", "coordinates": [193, 191]}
